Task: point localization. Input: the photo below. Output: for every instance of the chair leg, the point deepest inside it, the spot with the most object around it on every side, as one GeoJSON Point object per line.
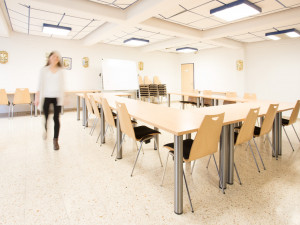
{"type": "Point", "coordinates": [296, 132]}
{"type": "Point", "coordinates": [12, 111]}
{"type": "Point", "coordinates": [188, 192]}
{"type": "Point", "coordinates": [288, 138]}
{"type": "Point", "coordinates": [136, 158]}
{"type": "Point", "coordinates": [193, 167]}
{"type": "Point", "coordinates": [158, 153]}
{"type": "Point", "coordinates": [259, 154]}
{"type": "Point", "coordinates": [208, 162]}
{"type": "Point", "coordinates": [94, 126]}
{"type": "Point", "coordinates": [31, 109]}
{"type": "Point", "coordinates": [221, 180]}
{"type": "Point", "coordinates": [237, 173]}
{"type": "Point", "coordinates": [163, 177]}
{"type": "Point", "coordinates": [254, 157]}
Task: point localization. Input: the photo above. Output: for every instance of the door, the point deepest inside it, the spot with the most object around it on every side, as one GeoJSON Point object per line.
{"type": "Point", "coordinates": [187, 77]}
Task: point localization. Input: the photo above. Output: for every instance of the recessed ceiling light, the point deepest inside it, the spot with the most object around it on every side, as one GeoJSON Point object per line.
{"type": "Point", "coordinates": [293, 33]}
{"type": "Point", "coordinates": [186, 50]}
{"type": "Point", "coordinates": [236, 10]}
{"type": "Point", "coordinates": [56, 30]}
{"type": "Point", "coordinates": [136, 42]}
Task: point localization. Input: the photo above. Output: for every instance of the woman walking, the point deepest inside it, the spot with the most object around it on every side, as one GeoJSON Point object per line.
{"type": "Point", "coordinates": [51, 91]}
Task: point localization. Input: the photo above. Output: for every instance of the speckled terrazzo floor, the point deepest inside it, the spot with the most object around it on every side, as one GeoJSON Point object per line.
{"type": "Point", "coordinates": [82, 184]}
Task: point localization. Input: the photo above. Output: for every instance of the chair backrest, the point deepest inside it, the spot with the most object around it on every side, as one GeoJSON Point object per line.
{"type": "Point", "coordinates": [207, 137]}
{"type": "Point", "coordinates": [156, 80]}
{"type": "Point", "coordinates": [247, 129]}
{"type": "Point", "coordinates": [295, 113]}
{"type": "Point", "coordinates": [250, 96]}
{"type": "Point", "coordinates": [109, 118]}
{"type": "Point", "coordinates": [147, 80]}
{"type": "Point", "coordinates": [88, 103]}
{"type": "Point", "coordinates": [207, 101]}
{"type": "Point", "coordinates": [231, 94]}
{"type": "Point", "coordinates": [266, 126]}
{"type": "Point", "coordinates": [95, 107]}
{"type": "Point", "coordinates": [125, 121]}
{"type": "Point", "coordinates": [22, 96]}
{"type": "Point", "coordinates": [140, 80]}
{"type": "Point", "coordinates": [3, 97]}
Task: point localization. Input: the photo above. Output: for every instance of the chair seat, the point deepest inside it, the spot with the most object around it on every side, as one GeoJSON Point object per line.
{"type": "Point", "coordinates": [285, 122]}
{"type": "Point", "coordinates": [143, 132]}
{"type": "Point", "coordinates": [257, 131]}
{"type": "Point", "coordinates": [188, 102]}
{"type": "Point", "coordinates": [187, 146]}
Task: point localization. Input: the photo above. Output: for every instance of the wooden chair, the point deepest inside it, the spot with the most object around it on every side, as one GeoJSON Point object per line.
{"type": "Point", "coordinates": [139, 134]}
{"type": "Point", "coordinates": [4, 100]}
{"type": "Point", "coordinates": [191, 100]}
{"type": "Point", "coordinates": [266, 126]}
{"type": "Point", "coordinates": [156, 80]}
{"type": "Point", "coordinates": [250, 96]}
{"type": "Point", "coordinates": [147, 80]}
{"type": "Point", "coordinates": [291, 121]}
{"type": "Point", "coordinates": [246, 133]}
{"type": "Point", "coordinates": [21, 97]}
{"type": "Point", "coordinates": [141, 82]}
{"type": "Point", "coordinates": [96, 113]}
{"type": "Point", "coordinates": [204, 144]}
{"type": "Point", "coordinates": [230, 95]}
{"type": "Point", "coordinates": [110, 118]}
{"type": "Point", "coordinates": [207, 101]}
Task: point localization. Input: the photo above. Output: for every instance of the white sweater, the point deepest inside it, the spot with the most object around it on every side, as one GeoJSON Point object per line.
{"type": "Point", "coordinates": [51, 85]}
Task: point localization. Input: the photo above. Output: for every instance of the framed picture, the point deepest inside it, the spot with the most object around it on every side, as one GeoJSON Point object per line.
{"type": "Point", "coordinates": [85, 62]}
{"type": "Point", "coordinates": [67, 63]}
{"type": "Point", "coordinates": [3, 57]}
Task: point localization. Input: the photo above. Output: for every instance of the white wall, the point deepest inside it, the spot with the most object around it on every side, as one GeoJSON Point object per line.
{"type": "Point", "coordinates": [27, 57]}
{"type": "Point", "coordinates": [273, 69]}
{"type": "Point", "coordinates": [215, 69]}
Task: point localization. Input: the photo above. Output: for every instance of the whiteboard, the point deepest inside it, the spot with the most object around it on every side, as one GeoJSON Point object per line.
{"type": "Point", "coordinates": [119, 74]}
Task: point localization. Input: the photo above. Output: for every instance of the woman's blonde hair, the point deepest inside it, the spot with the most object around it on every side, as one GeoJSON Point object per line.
{"type": "Point", "coordinates": [59, 64]}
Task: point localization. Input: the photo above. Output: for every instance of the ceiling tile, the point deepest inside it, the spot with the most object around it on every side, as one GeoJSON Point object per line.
{"type": "Point", "coordinates": [170, 11]}
{"type": "Point", "coordinates": [189, 4]}
{"type": "Point", "coordinates": [254, 39]}
{"type": "Point", "coordinates": [205, 23]}
{"type": "Point", "coordinates": [45, 15]}
{"type": "Point", "coordinates": [205, 8]}
{"type": "Point", "coordinates": [186, 18]}
{"type": "Point", "coordinates": [269, 5]}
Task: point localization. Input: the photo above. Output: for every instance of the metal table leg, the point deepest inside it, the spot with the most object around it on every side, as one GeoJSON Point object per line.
{"type": "Point", "coordinates": [102, 125]}
{"type": "Point", "coordinates": [178, 174]}
{"type": "Point", "coordinates": [224, 154]}
{"type": "Point", "coordinates": [182, 99]}
{"type": "Point", "coordinates": [84, 116]}
{"type": "Point", "coordinates": [119, 139]}
{"type": "Point", "coordinates": [188, 136]}
{"type": "Point", "coordinates": [156, 140]}
{"type": "Point", "coordinates": [35, 107]}
{"type": "Point", "coordinates": [169, 100]}
{"type": "Point", "coordinates": [277, 135]}
{"type": "Point", "coordinates": [202, 102]}
{"type": "Point", "coordinates": [78, 107]}
{"type": "Point", "coordinates": [230, 143]}
{"type": "Point", "coordinates": [198, 102]}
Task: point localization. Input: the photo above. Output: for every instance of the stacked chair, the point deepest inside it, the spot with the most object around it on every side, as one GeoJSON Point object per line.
{"type": "Point", "coordinates": [22, 97]}
{"type": "Point", "coordinates": [4, 100]}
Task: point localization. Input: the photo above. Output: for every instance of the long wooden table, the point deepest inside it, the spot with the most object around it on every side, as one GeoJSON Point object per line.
{"type": "Point", "coordinates": [187, 122]}
{"type": "Point", "coordinates": [201, 97]}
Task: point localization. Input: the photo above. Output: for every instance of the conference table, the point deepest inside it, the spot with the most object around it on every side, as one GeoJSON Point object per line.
{"type": "Point", "coordinates": [215, 97]}
{"type": "Point", "coordinates": [187, 122]}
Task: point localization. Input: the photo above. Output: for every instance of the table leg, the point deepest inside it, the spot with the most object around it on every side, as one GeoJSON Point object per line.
{"type": "Point", "coordinates": [230, 143]}
{"type": "Point", "coordinates": [202, 102]}
{"type": "Point", "coordinates": [169, 100]}
{"type": "Point", "coordinates": [198, 102]}
{"type": "Point", "coordinates": [188, 136]}
{"type": "Point", "coordinates": [119, 139]}
{"type": "Point", "coordinates": [35, 107]}
{"type": "Point", "coordinates": [156, 147]}
{"type": "Point", "coordinates": [224, 154]}
{"type": "Point", "coordinates": [182, 99]}
{"type": "Point", "coordinates": [102, 125]}
{"type": "Point", "coordinates": [277, 135]}
{"type": "Point", "coordinates": [84, 116]}
{"type": "Point", "coordinates": [178, 174]}
{"type": "Point", "coordinates": [78, 107]}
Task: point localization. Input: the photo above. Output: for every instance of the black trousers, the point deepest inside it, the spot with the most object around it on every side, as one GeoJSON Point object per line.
{"type": "Point", "coordinates": [57, 110]}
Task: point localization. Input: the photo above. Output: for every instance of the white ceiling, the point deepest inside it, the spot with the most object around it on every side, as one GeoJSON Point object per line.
{"type": "Point", "coordinates": [167, 24]}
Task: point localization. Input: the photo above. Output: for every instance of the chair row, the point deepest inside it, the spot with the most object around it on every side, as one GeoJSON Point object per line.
{"type": "Point", "coordinates": [21, 97]}
{"type": "Point", "coordinates": [207, 137]}
{"type": "Point", "coordinates": [147, 81]}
